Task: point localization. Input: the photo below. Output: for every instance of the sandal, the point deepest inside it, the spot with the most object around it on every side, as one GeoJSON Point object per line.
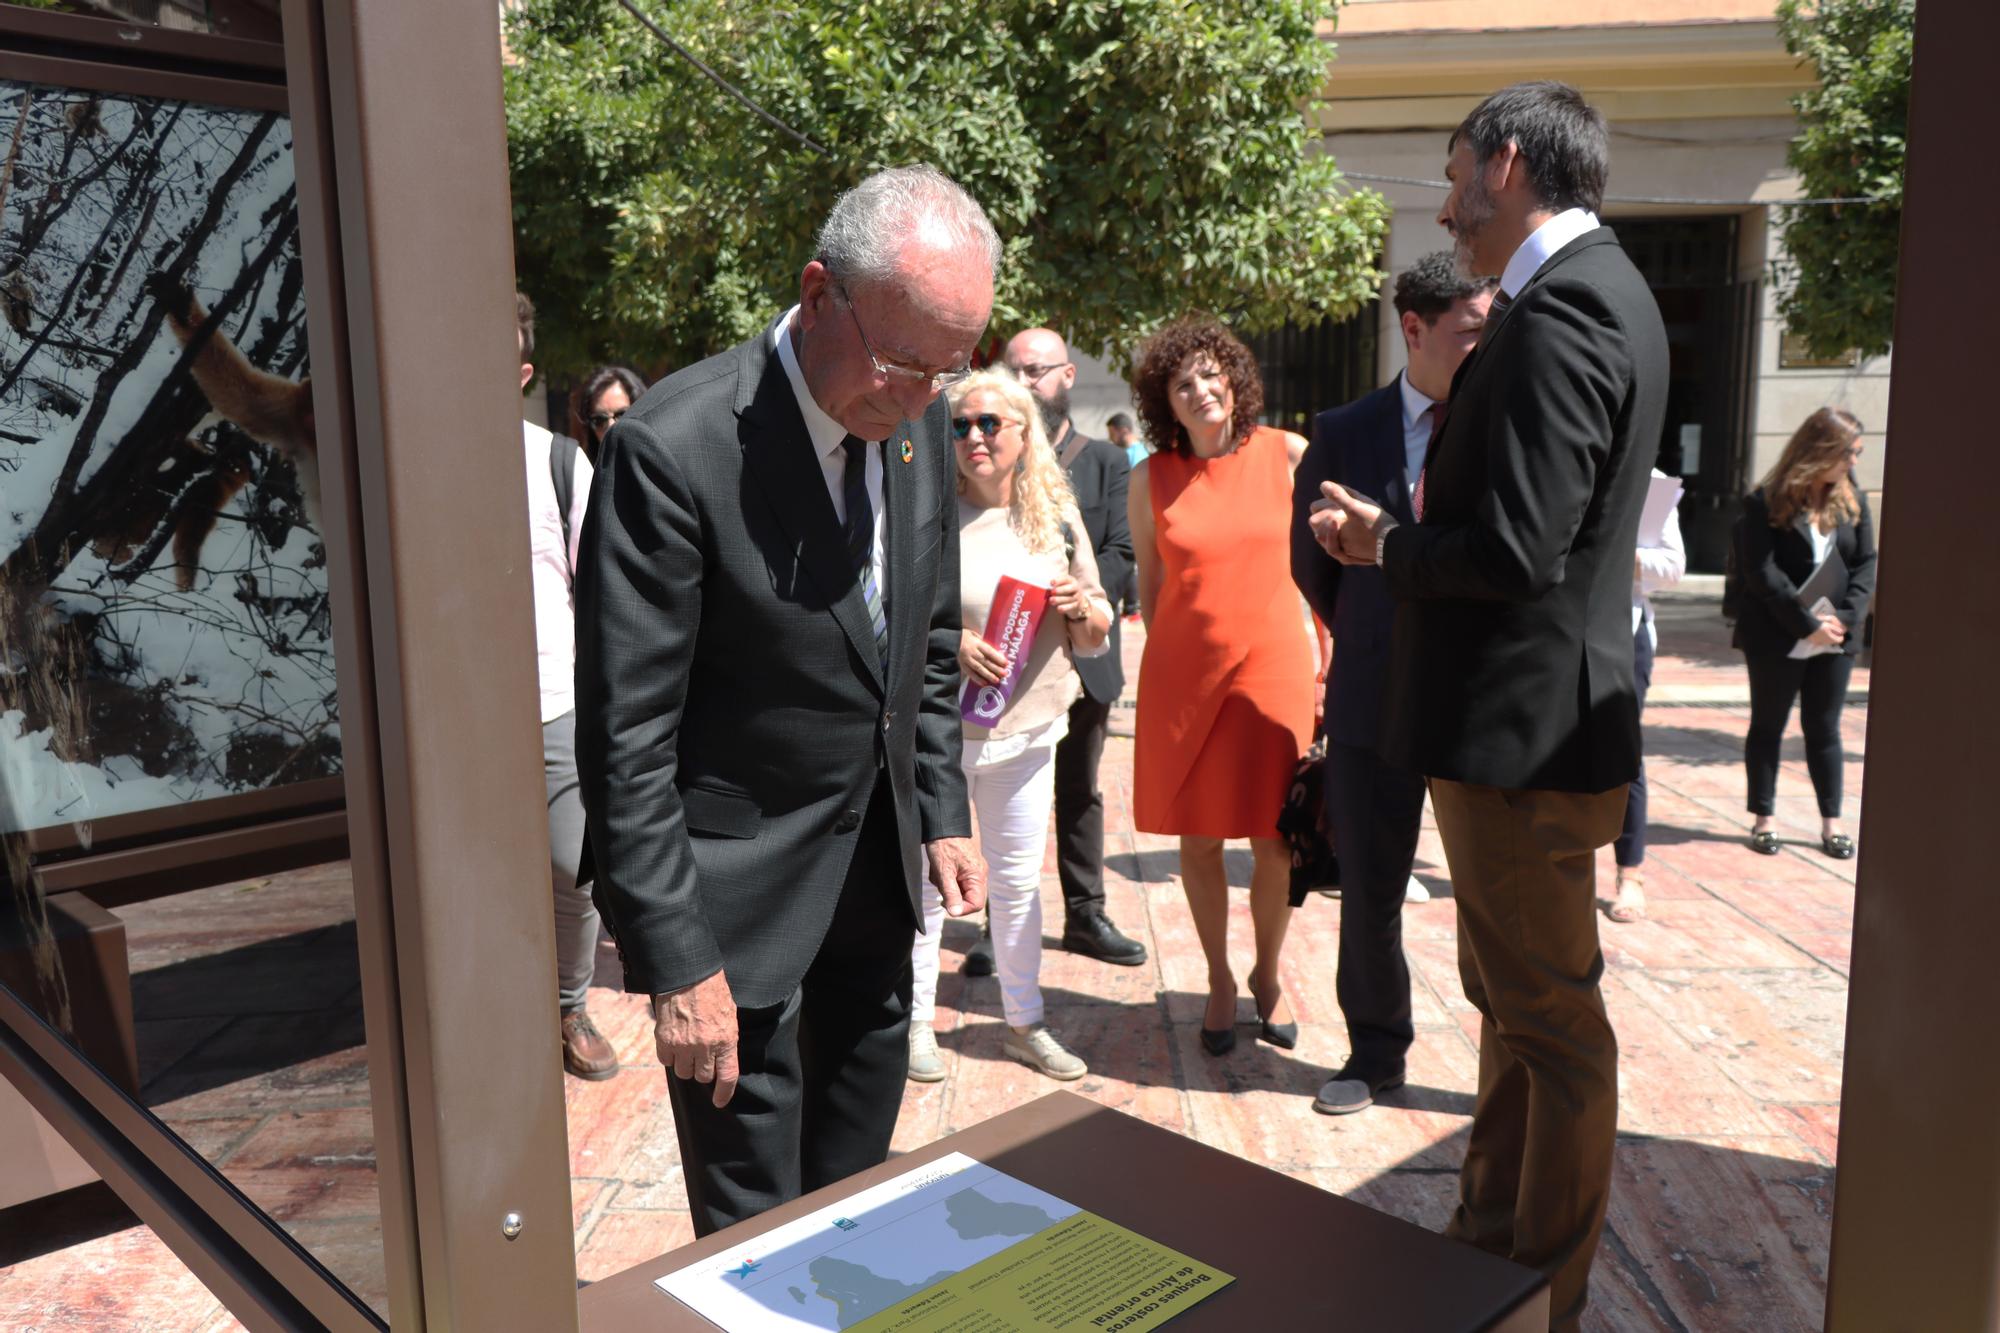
{"type": "Point", "coordinates": [1838, 846]}
{"type": "Point", "coordinates": [1630, 904]}
{"type": "Point", "coordinates": [1765, 841]}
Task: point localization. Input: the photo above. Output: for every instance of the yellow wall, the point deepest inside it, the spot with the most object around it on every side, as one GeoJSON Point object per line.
{"type": "Point", "coordinates": [1367, 16]}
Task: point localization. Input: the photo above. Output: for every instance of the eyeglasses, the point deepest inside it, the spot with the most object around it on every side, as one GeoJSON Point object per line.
{"type": "Point", "coordinates": [1033, 374]}
{"type": "Point", "coordinates": [989, 424]}
{"type": "Point", "coordinates": [934, 381]}
{"type": "Point", "coordinates": [604, 420]}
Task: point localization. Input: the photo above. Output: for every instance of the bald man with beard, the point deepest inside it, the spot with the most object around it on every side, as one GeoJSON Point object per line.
{"type": "Point", "coordinates": [1099, 473]}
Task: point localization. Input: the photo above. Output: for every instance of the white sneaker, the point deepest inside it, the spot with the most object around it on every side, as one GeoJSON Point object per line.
{"type": "Point", "coordinates": [1038, 1049]}
{"type": "Point", "coordinates": [926, 1065]}
{"type": "Point", "coordinates": [1415, 892]}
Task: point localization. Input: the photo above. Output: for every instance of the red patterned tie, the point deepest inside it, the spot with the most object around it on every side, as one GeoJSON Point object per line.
{"type": "Point", "coordinates": [1436, 411]}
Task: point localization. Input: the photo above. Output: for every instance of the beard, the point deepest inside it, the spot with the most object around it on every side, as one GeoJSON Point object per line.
{"type": "Point", "coordinates": [1475, 210]}
{"type": "Point", "coordinates": [1055, 411]}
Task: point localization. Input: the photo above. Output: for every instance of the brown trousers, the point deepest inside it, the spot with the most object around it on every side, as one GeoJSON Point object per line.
{"type": "Point", "coordinates": [1537, 1170]}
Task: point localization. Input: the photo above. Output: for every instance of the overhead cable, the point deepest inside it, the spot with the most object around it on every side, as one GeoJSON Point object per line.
{"type": "Point", "coordinates": [719, 81]}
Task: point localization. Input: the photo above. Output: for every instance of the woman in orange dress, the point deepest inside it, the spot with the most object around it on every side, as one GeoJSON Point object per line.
{"type": "Point", "coordinates": [1226, 686]}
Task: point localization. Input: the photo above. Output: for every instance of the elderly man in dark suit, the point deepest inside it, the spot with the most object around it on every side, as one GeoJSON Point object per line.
{"type": "Point", "coordinates": [767, 678]}
{"type": "Point", "coordinates": [1099, 473]}
{"type": "Point", "coordinates": [1510, 680]}
{"type": "Point", "coordinates": [1376, 445]}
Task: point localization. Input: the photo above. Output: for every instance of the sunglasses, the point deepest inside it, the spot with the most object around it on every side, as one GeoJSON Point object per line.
{"type": "Point", "coordinates": [989, 425]}
{"type": "Point", "coordinates": [604, 420]}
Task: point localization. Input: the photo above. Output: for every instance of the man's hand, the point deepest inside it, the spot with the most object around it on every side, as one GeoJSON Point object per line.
{"type": "Point", "coordinates": [1344, 524]}
{"type": "Point", "coordinates": [694, 1030]}
{"type": "Point", "coordinates": [958, 874]}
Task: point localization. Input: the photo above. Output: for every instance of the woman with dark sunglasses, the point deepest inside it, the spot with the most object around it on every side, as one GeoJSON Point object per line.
{"type": "Point", "coordinates": [604, 396]}
{"type": "Point", "coordinates": [1016, 517]}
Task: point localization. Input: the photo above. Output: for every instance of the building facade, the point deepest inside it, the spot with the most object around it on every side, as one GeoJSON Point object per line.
{"type": "Point", "coordinates": [1698, 94]}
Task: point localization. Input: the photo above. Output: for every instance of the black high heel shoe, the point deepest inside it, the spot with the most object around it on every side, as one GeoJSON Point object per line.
{"type": "Point", "coordinates": [1282, 1035]}
{"type": "Point", "coordinates": [1218, 1041]}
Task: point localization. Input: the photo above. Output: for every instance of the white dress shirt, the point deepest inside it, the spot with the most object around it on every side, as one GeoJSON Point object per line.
{"type": "Point", "coordinates": [551, 570]}
{"type": "Point", "coordinates": [1542, 245]}
{"type": "Point", "coordinates": [1416, 428]}
{"type": "Point", "coordinates": [827, 436]}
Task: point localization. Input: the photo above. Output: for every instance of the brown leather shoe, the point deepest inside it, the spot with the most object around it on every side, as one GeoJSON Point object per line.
{"type": "Point", "coordinates": [586, 1053]}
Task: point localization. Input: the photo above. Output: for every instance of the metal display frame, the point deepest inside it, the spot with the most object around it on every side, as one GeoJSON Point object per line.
{"type": "Point", "coordinates": [407, 253]}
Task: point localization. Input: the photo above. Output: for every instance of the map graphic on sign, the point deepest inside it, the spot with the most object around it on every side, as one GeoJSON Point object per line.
{"type": "Point", "coordinates": [846, 1264]}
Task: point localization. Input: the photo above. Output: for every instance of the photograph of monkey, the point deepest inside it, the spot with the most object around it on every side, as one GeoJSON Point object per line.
{"type": "Point", "coordinates": [164, 620]}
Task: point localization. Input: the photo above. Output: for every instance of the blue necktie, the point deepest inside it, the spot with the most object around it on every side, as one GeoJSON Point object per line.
{"type": "Point", "coordinates": [861, 539]}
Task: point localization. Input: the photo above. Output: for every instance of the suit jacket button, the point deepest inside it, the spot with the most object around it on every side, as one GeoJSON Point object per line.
{"type": "Point", "coordinates": [849, 821]}
{"type": "Point", "coordinates": [887, 718]}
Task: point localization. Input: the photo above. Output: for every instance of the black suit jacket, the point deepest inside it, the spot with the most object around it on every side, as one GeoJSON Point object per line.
{"type": "Point", "coordinates": [732, 712]}
{"type": "Point", "coordinates": [1100, 474]}
{"type": "Point", "coordinates": [1772, 564]}
{"type": "Point", "coordinates": [1361, 447]}
{"type": "Point", "coordinates": [1512, 657]}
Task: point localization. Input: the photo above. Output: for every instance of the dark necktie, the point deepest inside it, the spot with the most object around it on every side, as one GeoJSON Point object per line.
{"type": "Point", "coordinates": [1436, 413]}
{"type": "Point", "coordinates": [1499, 307]}
{"type": "Point", "coordinates": [861, 538]}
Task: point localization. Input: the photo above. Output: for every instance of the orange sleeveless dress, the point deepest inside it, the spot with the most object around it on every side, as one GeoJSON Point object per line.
{"type": "Point", "coordinates": [1226, 683]}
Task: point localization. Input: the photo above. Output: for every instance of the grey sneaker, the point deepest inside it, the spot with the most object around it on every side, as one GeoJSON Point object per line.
{"type": "Point", "coordinates": [1038, 1049]}
{"type": "Point", "coordinates": [926, 1065]}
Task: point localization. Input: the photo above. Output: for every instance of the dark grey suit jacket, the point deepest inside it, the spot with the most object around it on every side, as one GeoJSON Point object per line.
{"type": "Point", "coordinates": [1512, 659]}
{"type": "Point", "coordinates": [1100, 474]}
{"type": "Point", "coordinates": [732, 711]}
{"type": "Point", "coordinates": [1361, 447]}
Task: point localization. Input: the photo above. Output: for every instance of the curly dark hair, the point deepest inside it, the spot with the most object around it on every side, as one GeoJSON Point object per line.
{"type": "Point", "coordinates": [584, 397]}
{"type": "Point", "coordinates": [1162, 356]}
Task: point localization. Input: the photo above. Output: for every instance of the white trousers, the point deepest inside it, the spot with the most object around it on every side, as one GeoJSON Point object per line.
{"type": "Point", "coordinates": [1011, 799]}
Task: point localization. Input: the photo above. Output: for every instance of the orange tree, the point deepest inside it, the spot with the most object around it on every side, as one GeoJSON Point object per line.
{"type": "Point", "coordinates": [1140, 158]}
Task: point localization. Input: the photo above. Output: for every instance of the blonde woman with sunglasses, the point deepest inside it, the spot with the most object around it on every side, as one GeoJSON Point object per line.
{"type": "Point", "coordinates": [1016, 517]}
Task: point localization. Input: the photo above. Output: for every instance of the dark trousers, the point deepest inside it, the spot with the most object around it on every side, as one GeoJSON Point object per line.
{"type": "Point", "coordinates": [822, 1072]}
{"type": "Point", "coordinates": [1080, 807]}
{"type": "Point", "coordinates": [1375, 812]}
{"type": "Point", "coordinates": [1820, 686]}
{"type": "Point", "coordinates": [1537, 1173]}
{"type": "Point", "coordinates": [1630, 849]}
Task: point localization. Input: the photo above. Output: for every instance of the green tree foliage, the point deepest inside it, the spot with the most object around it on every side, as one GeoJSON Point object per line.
{"type": "Point", "coordinates": [1140, 158]}
{"type": "Point", "coordinates": [1837, 276]}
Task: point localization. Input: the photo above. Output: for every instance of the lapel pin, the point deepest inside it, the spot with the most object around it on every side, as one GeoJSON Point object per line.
{"type": "Point", "coordinates": [909, 451]}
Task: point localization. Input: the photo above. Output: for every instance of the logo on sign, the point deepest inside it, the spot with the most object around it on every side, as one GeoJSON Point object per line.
{"type": "Point", "coordinates": [989, 702]}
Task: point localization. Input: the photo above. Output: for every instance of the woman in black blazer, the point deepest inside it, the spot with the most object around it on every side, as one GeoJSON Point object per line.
{"type": "Point", "coordinates": [1806, 510]}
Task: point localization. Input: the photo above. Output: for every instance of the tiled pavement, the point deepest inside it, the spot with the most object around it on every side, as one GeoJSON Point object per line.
{"type": "Point", "coordinates": [1729, 1002]}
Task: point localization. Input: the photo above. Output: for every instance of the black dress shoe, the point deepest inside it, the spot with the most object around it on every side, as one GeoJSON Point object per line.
{"type": "Point", "coordinates": [1092, 935]}
{"type": "Point", "coordinates": [1218, 1041]}
{"type": "Point", "coordinates": [1838, 846]}
{"type": "Point", "coordinates": [979, 958]}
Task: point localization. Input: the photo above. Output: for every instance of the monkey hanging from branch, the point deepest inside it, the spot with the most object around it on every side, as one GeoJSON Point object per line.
{"type": "Point", "coordinates": [273, 411]}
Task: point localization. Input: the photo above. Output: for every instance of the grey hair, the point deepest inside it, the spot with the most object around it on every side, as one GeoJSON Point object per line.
{"type": "Point", "coordinates": [862, 239]}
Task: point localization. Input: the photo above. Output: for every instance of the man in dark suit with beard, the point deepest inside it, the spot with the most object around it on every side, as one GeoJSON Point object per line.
{"type": "Point", "coordinates": [1510, 681]}
{"type": "Point", "coordinates": [767, 677]}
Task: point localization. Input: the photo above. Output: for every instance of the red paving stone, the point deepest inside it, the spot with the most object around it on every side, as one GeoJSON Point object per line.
{"type": "Point", "coordinates": [1729, 1001]}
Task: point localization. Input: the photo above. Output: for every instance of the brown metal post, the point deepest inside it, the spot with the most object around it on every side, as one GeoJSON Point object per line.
{"type": "Point", "coordinates": [456, 832]}
{"type": "Point", "coordinates": [1916, 1233]}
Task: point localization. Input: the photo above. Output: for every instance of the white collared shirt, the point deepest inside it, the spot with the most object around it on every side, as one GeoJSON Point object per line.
{"type": "Point", "coordinates": [1542, 245]}
{"type": "Point", "coordinates": [1416, 428]}
{"type": "Point", "coordinates": [551, 569]}
{"type": "Point", "coordinates": [827, 436]}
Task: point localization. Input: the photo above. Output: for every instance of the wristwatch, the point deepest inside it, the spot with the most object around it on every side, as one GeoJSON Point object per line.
{"type": "Point", "coordinates": [1383, 528]}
